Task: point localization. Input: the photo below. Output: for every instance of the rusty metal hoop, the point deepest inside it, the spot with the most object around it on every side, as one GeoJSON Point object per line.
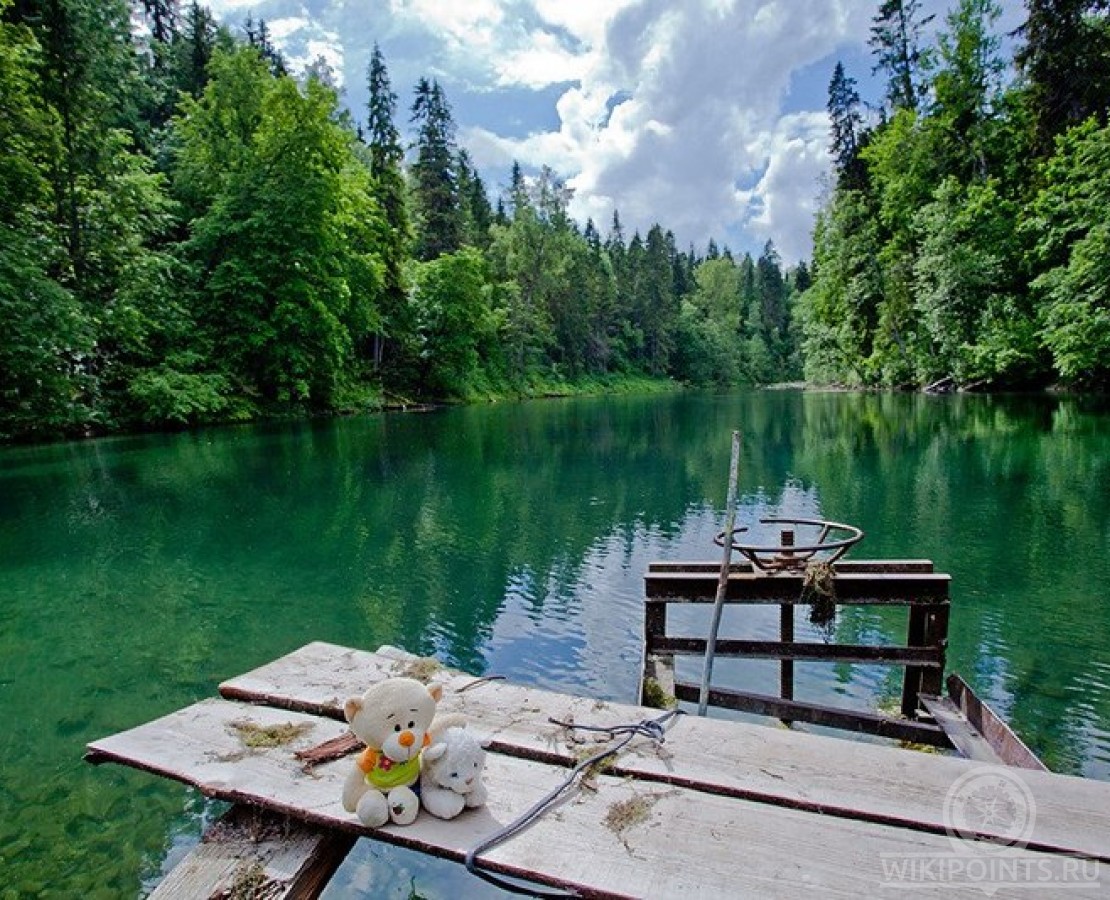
{"type": "Point", "coordinates": [790, 557]}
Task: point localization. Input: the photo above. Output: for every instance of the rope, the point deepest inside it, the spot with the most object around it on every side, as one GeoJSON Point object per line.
{"type": "Point", "coordinates": [819, 589]}
{"type": "Point", "coordinates": [649, 728]}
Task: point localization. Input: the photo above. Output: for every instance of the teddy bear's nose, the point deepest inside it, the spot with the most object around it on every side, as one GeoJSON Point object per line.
{"type": "Point", "coordinates": [406, 739]}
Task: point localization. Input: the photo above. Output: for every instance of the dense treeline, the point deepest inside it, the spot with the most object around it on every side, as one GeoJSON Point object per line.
{"type": "Point", "coordinates": [967, 237]}
{"type": "Point", "coordinates": [191, 234]}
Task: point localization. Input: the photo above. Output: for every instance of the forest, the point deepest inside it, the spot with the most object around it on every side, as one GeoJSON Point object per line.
{"type": "Point", "coordinates": [965, 242]}
{"type": "Point", "coordinates": [190, 233]}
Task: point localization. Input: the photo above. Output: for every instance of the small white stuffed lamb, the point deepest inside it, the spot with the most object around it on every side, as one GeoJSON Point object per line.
{"type": "Point", "coordinates": [451, 774]}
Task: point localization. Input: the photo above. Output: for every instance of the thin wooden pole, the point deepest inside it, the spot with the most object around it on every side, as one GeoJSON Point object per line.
{"type": "Point", "coordinates": [722, 578]}
{"type": "Point", "coordinates": [786, 632]}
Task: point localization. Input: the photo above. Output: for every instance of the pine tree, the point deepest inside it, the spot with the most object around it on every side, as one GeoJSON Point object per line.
{"type": "Point", "coordinates": [386, 155]}
{"type": "Point", "coordinates": [258, 36]}
{"type": "Point", "coordinates": [517, 187]}
{"type": "Point", "coordinates": [846, 125]}
{"type": "Point", "coordinates": [162, 16]}
{"type": "Point", "coordinates": [1066, 62]}
{"type": "Point", "coordinates": [436, 190]}
{"type": "Point", "coordinates": [477, 214]}
{"type": "Point", "coordinates": [194, 49]}
{"type": "Point", "coordinates": [895, 42]}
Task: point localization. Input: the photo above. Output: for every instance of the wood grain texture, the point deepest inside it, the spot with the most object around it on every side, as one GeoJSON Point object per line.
{"type": "Point", "coordinates": [620, 838]}
{"type": "Point", "coordinates": [968, 741]}
{"type": "Point", "coordinates": [786, 768]}
{"type": "Point", "coordinates": [252, 849]}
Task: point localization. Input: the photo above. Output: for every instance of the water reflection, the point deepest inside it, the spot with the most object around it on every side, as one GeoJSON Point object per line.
{"type": "Point", "coordinates": [136, 573]}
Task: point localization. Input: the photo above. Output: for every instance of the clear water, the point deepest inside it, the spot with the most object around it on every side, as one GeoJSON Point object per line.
{"type": "Point", "coordinates": [138, 572]}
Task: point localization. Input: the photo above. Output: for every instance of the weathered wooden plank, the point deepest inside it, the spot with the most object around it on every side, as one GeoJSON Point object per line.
{"type": "Point", "coordinates": [846, 566]}
{"type": "Point", "coordinates": [620, 838]}
{"type": "Point", "coordinates": [250, 852]}
{"type": "Point", "coordinates": [851, 588]}
{"type": "Point", "coordinates": [855, 653]}
{"type": "Point", "coordinates": [1009, 747]}
{"type": "Point", "coordinates": [806, 771]}
{"type": "Point", "coordinates": [818, 714]}
{"type": "Point", "coordinates": [966, 739]}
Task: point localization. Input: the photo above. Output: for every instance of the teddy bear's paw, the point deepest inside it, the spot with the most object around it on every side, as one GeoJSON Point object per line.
{"type": "Point", "coordinates": [478, 795]}
{"type": "Point", "coordinates": [372, 810]}
{"type": "Point", "coordinates": [443, 804]}
{"type": "Point", "coordinates": [403, 805]}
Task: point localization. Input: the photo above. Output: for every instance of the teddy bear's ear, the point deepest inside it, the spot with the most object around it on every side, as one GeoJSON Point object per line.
{"type": "Point", "coordinates": [352, 708]}
{"type": "Point", "coordinates": [434, 752]}
{"type": "Point", "coordinates": [436, 690]}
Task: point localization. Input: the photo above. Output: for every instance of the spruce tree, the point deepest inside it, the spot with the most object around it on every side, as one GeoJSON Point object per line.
{"type": "Point", "coordinates": [846, 126]}
{"type": "Point", "coordinates": [386, 155]}
{"type": "Point", "coordinates": [162, 16]}
{"type": "Point", "coordinates": [896, 44]}
{"type": "Point", "coordinates": [435, 173]}
{"type": "Point", "coordinates": [1066, 63]}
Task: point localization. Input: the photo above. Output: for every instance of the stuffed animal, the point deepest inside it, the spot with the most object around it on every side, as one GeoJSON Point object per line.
{"type": "Point", "coordinates": [451, 778]}
{"type": "Point", "coordinates": [394, 718]}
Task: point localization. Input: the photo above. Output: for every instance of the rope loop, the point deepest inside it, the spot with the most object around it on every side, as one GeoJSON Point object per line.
{"type": "Point", "coordinates": [654, 729]}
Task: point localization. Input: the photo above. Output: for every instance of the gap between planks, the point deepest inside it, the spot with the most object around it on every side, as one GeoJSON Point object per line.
{"type": "Point", "coordinates": [623, 838]}
{"type": "Point", "coordinates": [808, 772]}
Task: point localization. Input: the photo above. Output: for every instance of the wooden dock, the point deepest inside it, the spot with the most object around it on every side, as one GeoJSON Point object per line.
{"type": "Point", "coordinates": [719, 809]}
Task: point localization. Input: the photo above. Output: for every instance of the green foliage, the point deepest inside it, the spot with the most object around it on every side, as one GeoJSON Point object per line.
{"type": "Point", "coordinates": [288, 246]}
{"type": "Point", "coordinates": [956, 256]}
{"type": "Point", "coordinates": [1071, 219]}
{"type": "Point", "coordinates": [455, 326]}
{"type": "Point", "coordinates": [165, 395]}
{"type": "Point", "coordinates": [190, 235]}
{"type": "Point", "coordinates": [840, 311]}
{"type": "Point", "coordinates": [435, 176]}
{"type": "Point", "coordinates": [1066, 63]}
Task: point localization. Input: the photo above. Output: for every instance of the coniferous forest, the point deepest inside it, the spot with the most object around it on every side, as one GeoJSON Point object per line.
{"type": "Point", "coordinates": [191, 233]}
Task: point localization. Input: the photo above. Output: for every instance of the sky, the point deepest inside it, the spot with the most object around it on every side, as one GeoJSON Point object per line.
{"type": "Point", "coordinates": [706, 116]}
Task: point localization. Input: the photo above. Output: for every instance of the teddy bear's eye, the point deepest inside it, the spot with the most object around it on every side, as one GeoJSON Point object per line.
{"type": "Point", "coordinates": [412, 725]}
{"type": "Point", "coordinates": [454, 774]}
{"type": "Point", "coordinates": [397, 727]}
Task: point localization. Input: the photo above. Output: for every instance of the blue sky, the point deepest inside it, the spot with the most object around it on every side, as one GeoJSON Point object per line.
{"type": "Point", "coordinates": [707, 116]}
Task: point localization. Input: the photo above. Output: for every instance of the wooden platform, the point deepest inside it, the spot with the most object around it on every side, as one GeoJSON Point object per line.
{"type": "Point", "coordinates": [720, 809]}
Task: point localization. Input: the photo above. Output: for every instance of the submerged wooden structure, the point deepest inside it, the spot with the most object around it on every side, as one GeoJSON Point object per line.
{"type": "Point", "coordinates": [719, 809]}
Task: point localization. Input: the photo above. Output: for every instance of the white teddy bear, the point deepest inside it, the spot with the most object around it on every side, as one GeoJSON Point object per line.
{"type": "Point", "coordinates": [396, 719]}
{"type": "Point", "coordinates": [451, 775]}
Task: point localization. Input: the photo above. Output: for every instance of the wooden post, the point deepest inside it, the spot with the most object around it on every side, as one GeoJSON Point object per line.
{"type": "Point", "coordinates": [786, 633]}
{"type": "Point", "coordinates": [911, 684]}
{"type": "Point", "coordinates": [655, 624]}
{"type": "Point", "coordinates": [936, 635]}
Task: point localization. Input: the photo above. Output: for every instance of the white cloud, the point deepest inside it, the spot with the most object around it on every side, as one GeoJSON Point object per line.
{"type": "Point", "coordinates": [702, 88]}
{"type": "Point", "coordinates": [671, 111]}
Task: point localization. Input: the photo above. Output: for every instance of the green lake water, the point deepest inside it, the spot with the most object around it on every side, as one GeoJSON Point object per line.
{"type": "Point", "coordinates": [136, 573]}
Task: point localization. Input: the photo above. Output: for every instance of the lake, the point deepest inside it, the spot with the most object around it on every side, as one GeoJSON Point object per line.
{"type": "Point", "coordinates": [138, 572]}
